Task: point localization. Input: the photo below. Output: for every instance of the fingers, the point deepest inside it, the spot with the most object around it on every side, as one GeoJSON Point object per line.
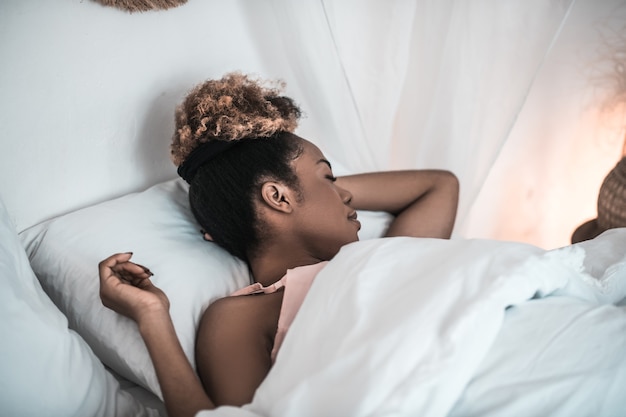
{"type": "Point", "coordinates": [130, 268]}
{"type": "Point", "coordinates": [119, 265]}
{"type": "Point", "coordinates": [126, 288]}
{"type": "Point", "coordinates": [113, 260]}
{"type": "Point", "coordinates": [134, 279]}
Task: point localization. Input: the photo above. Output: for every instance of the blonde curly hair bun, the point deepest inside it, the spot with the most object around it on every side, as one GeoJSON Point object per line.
{"type": "Point", "coordinates": [232, 108]}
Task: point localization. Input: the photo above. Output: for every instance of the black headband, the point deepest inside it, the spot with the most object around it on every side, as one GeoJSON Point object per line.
{"type": "Point", "coordinates": [201, 155]}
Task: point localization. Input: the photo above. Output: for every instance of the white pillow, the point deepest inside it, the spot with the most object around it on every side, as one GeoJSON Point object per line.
{"type": "Point", "coordinates": [158, 227]}
{"type": "Point", "coordinates": [46, 369]}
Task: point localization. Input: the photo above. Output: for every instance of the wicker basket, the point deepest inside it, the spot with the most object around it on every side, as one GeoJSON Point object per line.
{"type": "Point", "coordinates": [142, 5]}
{"type": "Point", "coordinates": [611, 205]}
{"type": "Point", "coordinates": [612, 198]}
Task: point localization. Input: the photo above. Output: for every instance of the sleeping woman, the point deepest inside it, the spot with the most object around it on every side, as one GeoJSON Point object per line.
{"type": "Point", "coordinates": [270, 198]}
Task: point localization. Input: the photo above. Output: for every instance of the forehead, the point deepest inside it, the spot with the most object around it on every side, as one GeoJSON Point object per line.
{"type": "Point", "coordinates": [310, 151]}
{"type": "Point", "coordinates": [309, 160]}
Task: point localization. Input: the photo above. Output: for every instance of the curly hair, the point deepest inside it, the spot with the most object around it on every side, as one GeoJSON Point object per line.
{"type": "Point", "coordinates": [232, 108]}
{"type": "Point", "coordinates": [223, 192]}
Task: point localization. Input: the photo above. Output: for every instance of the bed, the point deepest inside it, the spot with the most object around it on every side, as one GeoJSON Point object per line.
{"type": "Point", "coordinates": [393, 327]}
{"type": "Point", "coordinates": [464, 327]}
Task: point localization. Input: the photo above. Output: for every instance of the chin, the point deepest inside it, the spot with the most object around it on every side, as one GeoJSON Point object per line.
{"type": "Point", "coordinates": [340, 245]}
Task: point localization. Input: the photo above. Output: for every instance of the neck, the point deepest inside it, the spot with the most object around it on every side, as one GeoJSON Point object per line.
{"type": "Point", "coordinates": [270, 264]}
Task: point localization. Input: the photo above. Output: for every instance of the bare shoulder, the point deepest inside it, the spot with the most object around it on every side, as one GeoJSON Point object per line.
{"type": "Point", "coordinates": [232, 314]}
{"type": "Point", "coordinates": [233, 346]}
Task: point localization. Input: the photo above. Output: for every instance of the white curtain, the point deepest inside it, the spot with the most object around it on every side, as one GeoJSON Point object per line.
{"type": "Point", "coordinates": [508, 94]}
{"type": "Point", "coordinates": [416, 84]}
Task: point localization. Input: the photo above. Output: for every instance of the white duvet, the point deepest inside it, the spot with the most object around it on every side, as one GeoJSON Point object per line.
{"type": "Point", "coordinates": [426, 327]}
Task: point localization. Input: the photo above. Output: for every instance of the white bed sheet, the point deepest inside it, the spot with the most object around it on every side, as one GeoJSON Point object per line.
{"type": "Point", "coordinates": [397, 327]}
{"type": "Point", "coordinates": [47, 369]}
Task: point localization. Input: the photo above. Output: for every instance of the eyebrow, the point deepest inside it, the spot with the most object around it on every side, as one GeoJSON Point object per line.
{"type": "Point", "coordinates": [324, 161]}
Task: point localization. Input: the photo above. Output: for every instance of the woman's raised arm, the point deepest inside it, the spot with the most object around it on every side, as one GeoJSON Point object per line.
{"type": "Point", "coordinates": [424, 202]}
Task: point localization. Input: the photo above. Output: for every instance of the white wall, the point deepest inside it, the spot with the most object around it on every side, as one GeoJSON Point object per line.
{"type": "Point", "coordinates": [87, 93]}
{"type": "Point", "coordinates": [87, 96]}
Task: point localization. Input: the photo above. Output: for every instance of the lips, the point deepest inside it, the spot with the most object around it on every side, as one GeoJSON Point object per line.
{"type": "Point", "coordinates": [353, 218]}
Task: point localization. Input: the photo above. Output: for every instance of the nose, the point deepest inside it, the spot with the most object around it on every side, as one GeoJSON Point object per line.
{"type": "Point", "coordinates": [346, 196]}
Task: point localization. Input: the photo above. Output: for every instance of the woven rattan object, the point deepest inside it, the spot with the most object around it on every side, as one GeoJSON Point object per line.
{"type": "Point", "coordinates": [142, 5]}
{"type": "Point", "coordinates": [612, 198]}
{"type": "Point", "coordinates": [611, 205]}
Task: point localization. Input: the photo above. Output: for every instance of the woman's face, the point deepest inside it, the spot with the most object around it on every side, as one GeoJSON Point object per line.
{"type": "Point", "coordinates": [325, 221]}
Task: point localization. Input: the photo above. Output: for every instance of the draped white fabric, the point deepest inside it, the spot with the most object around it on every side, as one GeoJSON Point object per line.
{"type": "Point", "coordinates": [509, 95]}
{"type": "Point", "coordinates": [427, 84]}
{"type": "Point", "coordinates": [441, 84]}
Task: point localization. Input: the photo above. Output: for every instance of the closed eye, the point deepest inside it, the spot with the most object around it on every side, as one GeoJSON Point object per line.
{"type": "Point", "coordinates": [331, 178]}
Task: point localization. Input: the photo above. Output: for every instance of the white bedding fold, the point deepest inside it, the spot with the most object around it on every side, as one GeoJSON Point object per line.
{"type": "Point", "coordinates": [401, 326]}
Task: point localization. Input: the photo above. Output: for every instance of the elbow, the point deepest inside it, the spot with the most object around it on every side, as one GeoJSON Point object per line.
{"type": "Point", "coordinates": [453, 183]}
{"type": "Point", "coordinates": [450, 178]}
{"type": "Point", "coordinates": [448, 189]}
{"type": "Point", "coordinates": [448, 184]}
{"type": "Point", "coordinates": [454, 190]}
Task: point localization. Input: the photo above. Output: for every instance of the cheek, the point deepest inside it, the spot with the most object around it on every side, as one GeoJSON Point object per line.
{"type": "Point", "coordinates": [326, 232]}
{"type": "Point", "coordinates": [324, 212]}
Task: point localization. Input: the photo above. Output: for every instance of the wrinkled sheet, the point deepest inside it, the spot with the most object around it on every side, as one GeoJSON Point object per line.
{"type": "Point", "coordinates": [403, 326]}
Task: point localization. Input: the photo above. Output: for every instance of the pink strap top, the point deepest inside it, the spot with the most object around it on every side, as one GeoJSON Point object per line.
{"type": "Point", "coordinates": [297, 282]}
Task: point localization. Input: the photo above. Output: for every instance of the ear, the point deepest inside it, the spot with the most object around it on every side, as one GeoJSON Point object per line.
{"type": "Point", "coordinates": [277, 196]}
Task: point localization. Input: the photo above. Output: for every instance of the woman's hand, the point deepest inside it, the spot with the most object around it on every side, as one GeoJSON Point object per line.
{"type": "Point", "coordinates": [125, 287]}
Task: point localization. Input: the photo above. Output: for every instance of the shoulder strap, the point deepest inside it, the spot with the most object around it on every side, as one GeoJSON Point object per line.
{"type": "Point", "coordinates": [257, 288]}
